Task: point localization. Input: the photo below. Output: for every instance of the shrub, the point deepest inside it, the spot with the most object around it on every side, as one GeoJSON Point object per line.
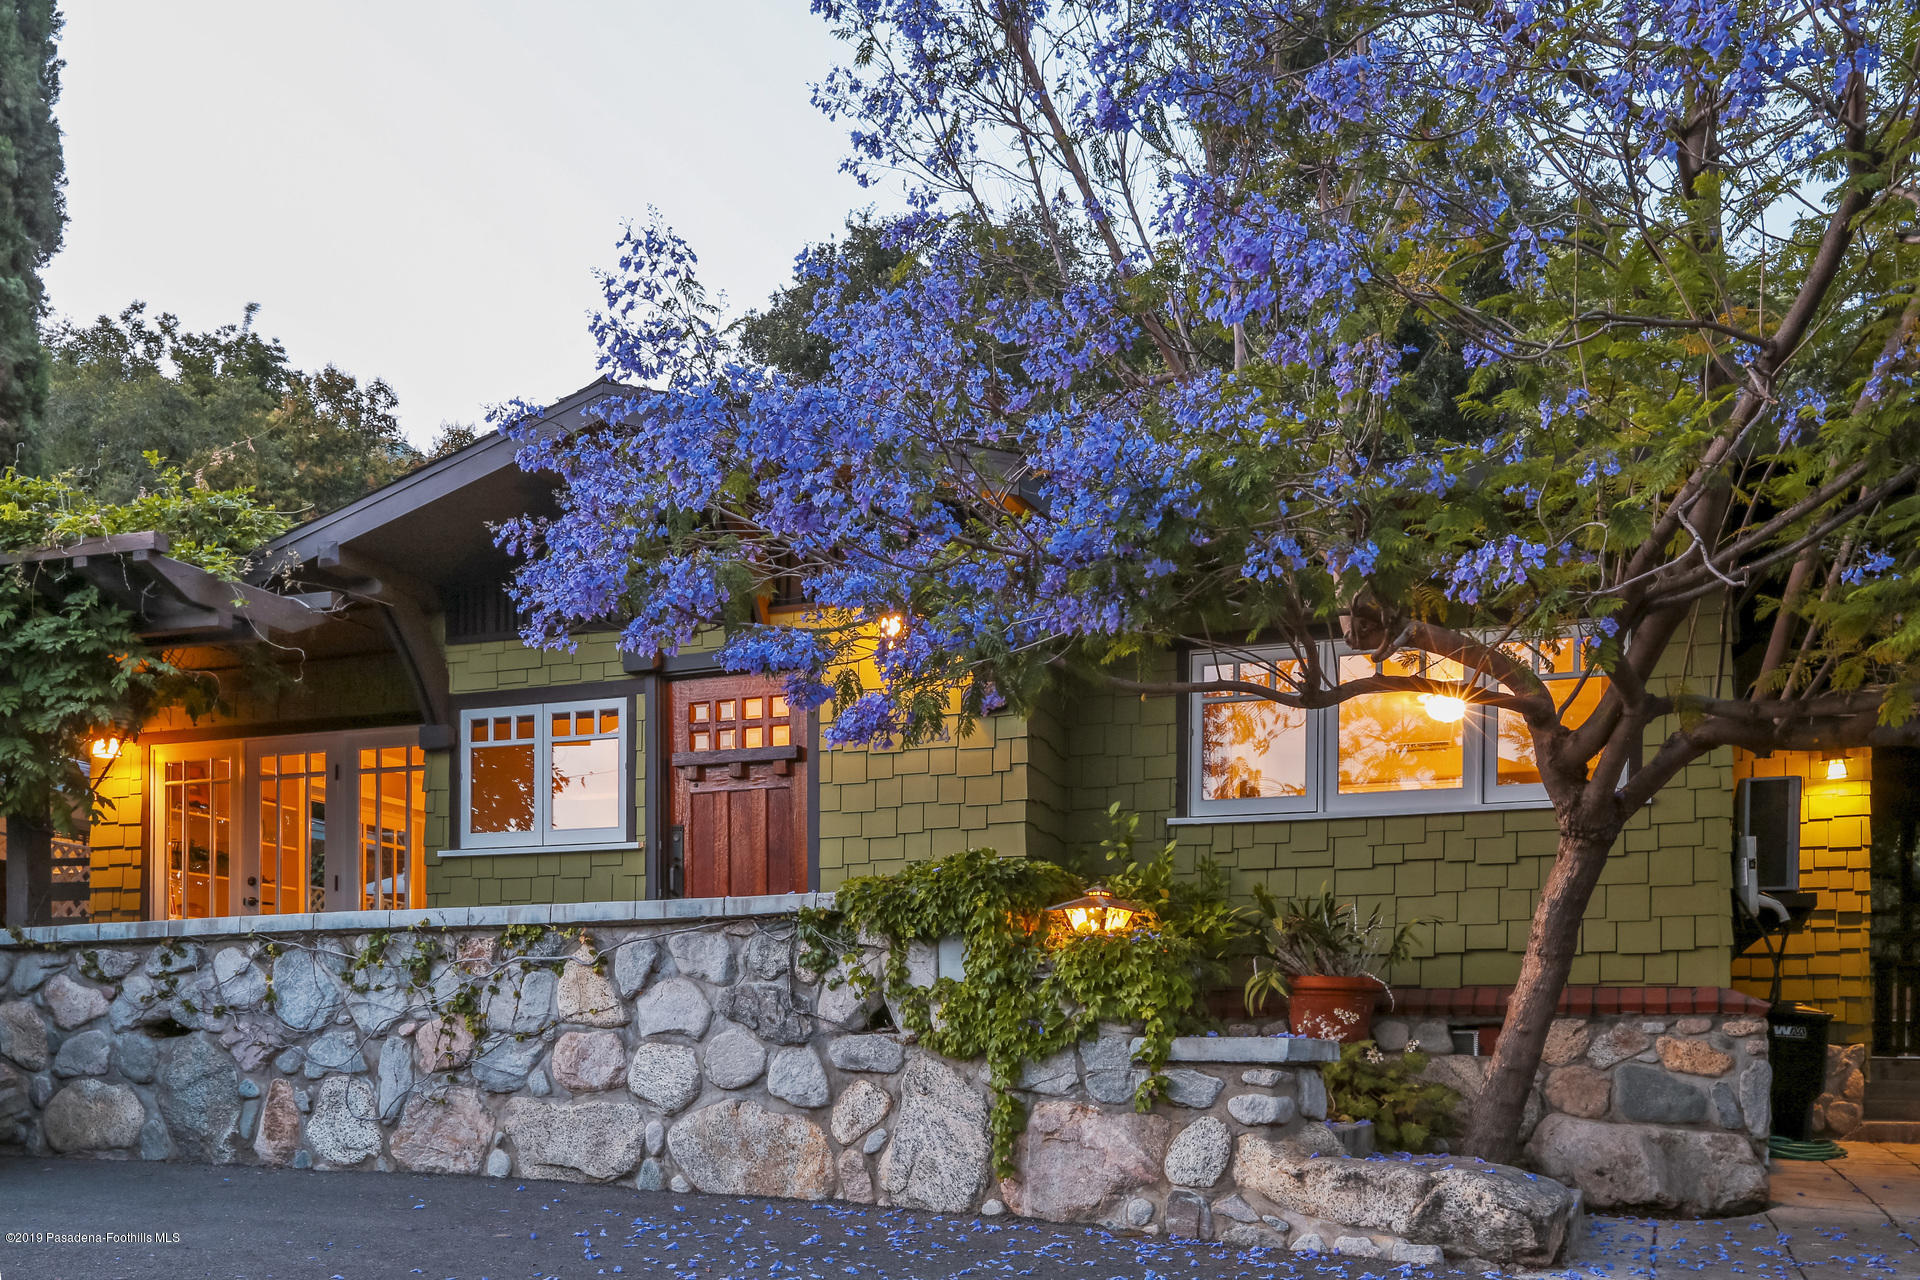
{"type": "Point", "coordinates": [1407, 1112]}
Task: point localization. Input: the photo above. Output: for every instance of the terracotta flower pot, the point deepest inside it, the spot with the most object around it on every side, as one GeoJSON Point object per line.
{"type": "Point", "coordinates": [1332, 1008]}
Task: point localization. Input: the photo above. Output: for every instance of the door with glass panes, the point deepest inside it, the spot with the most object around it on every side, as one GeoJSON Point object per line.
{"type": "Point", "coordinates": [281, 826]}
{"type": "Point", "coordinates": [738, 793]}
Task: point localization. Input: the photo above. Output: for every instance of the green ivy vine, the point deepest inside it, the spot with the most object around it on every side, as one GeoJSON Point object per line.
{"type": "Point", "coordinates": [1031, 989]}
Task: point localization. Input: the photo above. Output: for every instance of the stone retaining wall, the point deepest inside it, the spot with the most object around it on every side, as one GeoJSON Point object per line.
{"type": "Point", "coordinates": [688, 1054]}
{"type": "Point", "coordinates": [1668, 1113]}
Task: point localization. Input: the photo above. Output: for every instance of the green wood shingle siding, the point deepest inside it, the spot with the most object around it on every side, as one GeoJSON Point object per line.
{"type": "Point", "coordinates": [512, 671]}
{"type": "Point", "coordinates": [1659, 916]}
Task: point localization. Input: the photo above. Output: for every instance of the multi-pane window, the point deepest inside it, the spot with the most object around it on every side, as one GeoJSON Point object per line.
{"type": "Point", "coordinates": [501, 749]}
{"type": "Point", "coordinates": [1252, 749]}
{"type": "Point", "coordinates": [293, 831]}
{"type": "Point", "coordinates": [545, 775]}
{"type": "Point", "coordinates": [739, 723]}
{"type": "Point", "coordinates": [1378, 752]}
{"type": "Point", "coordinates": [1576, 689]}
{"type": "Point", "coordinates": [393, 819]}
{"type": "Point", "coordinates": [196, 854]}
{"type": "Point", "coordinates": [1390, 742]}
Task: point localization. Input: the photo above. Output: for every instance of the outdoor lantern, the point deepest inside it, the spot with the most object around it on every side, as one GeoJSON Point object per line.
{"type": "Point", "coordinates": [107, 747]}
{"type": "Point", "coordinates": [1444, 707]}
{"type": "Point", "coordinates": [892, 627]}
{"type": "Point", "coordinates": [1836, 768]}
{"type": "Point", "coordinates": [1097, 912]}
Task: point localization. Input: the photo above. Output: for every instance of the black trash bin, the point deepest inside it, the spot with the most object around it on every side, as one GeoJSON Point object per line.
{"type": "Point", "coordinates": [1799, 1054]}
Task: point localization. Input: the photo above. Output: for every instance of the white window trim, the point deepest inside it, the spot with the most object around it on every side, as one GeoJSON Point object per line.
{"type": "Point", "coordinates": [511, 851]}
{"type": "Point", "coordinates": [1479, 789]}
{"type": "Point", "coordinates": [544, 838]}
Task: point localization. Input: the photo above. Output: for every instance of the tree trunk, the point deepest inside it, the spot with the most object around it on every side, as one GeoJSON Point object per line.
{"type": "Point", "coordinates": [29, 872]}
{"type": "Point", "coordinates": [1494, 1133]}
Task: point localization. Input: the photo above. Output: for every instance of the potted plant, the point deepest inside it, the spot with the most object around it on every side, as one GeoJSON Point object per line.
{"type": "Point", "coordinates": [1325, 958]}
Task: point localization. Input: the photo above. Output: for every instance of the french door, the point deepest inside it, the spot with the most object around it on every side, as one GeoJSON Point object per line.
{"type": "Point", "coordinates": [278, 826]}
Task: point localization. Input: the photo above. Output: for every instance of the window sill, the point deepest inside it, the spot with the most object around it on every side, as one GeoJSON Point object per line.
{"type": "Point", "coordinates": [1341, 815]}
{"type": "Point", "coordinates": [516, 850]}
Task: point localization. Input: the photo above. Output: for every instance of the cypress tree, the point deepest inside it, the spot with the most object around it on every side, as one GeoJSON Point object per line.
{"type": "Point", "coordinates": [33, 210]}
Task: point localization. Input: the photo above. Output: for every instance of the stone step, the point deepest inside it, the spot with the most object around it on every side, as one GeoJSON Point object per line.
{"type": "Point", "coordinates": [1887, 1131]}
{"type": "Point", "coordinates": [1879, 1108]}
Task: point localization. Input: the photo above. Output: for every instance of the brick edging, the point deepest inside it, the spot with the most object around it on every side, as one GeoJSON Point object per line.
{"type": "Point", "coordinates": [1576, 1002]}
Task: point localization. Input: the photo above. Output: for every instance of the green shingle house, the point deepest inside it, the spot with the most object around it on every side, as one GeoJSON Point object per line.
{"type": "Point", "coordinates": [387, 743]}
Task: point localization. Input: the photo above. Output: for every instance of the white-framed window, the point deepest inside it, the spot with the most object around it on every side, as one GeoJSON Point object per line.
{"type": "Point", "coordinates": [1373, 754]}
{"type": "Point", "coordinates": [547, 774]}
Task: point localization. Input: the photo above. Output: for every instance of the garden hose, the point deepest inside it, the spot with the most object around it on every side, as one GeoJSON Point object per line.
{"type": "Point", "coordinates": [1812, 1149]}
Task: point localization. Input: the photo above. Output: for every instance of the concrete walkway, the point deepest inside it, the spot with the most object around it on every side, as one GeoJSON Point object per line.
{"type": "Point", "coordinates": [1854, 1217]}
{"type": "Point", "coordinates": [134, 1221]}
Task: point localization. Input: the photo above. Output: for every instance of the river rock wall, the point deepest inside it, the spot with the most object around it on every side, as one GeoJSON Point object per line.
{"type": "Point", "coordinates": [688, 1055]}
{"type": "Point", "coordinates": [1662, 1113]}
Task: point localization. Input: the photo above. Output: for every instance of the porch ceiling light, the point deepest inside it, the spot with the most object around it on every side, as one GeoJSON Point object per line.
{"type": "Point", "coordinates": [1098, 912]}
{"type": "Point", "coordinates": [1444, 707]}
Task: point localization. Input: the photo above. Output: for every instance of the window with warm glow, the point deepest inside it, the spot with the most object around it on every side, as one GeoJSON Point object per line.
{"type": "Point", "coordinates": [1250, 748]}
{"type": "Point", "coordinates": [1375, 753]}
{"type": "Point", "coordinates": [393, 820]}
{"type": "Point", "coordinates": [1576, 690]}
{"type": "Point", "coordinates": [266, 826]}
{"type": "Point", "coordinates": [545, 775]}
{"type": "Point", "coordinates": [1401, 741]}
{"type": "Point", "coordinates": [500, 755]}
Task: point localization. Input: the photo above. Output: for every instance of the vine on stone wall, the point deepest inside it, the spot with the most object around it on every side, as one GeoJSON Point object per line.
{"type": "Point", "coordinates": [1030, 989]}
{"type": "Point", "coordinates": [1406, 1110]}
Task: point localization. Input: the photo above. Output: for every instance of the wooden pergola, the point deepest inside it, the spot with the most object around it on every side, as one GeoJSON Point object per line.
{"type": "Point", "coordinates": [171, 603]}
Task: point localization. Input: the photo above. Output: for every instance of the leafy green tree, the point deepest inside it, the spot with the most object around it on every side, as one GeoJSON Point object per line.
{"type": "Point", "coordinates": [33, 211]}
{"type": "Point", "coordinates": [450, 439]}
{"type": "Point", "coordinates": [226, 407]}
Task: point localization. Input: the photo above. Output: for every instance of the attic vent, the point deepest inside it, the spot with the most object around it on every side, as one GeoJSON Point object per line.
{"type": "Point", "coordinates": [480, 613]}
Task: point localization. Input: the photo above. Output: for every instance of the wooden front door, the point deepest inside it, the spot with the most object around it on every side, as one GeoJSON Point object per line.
{"type": "Point", "coordinates": [739, 788]}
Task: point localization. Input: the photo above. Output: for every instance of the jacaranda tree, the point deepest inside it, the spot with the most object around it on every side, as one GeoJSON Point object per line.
{"type": "Point", "coordinates": [1443, 328]}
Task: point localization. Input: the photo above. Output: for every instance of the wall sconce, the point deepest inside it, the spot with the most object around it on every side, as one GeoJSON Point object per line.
{"type": "Point", "coordinates": [1444, 707]}
{"type": "Point", "coordinates": [1098, 912]}
{"type": "Point", "coordinates": [107, 747]}
{"type": "Point", "coordinates": [1836, 768]}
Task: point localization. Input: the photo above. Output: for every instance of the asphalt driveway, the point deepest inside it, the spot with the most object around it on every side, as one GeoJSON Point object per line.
{"type": "Point", "coordinates": [172, 1221]}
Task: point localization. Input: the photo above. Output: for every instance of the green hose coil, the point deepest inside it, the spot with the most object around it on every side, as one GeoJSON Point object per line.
{"type": "Point", "coordinates": [1814, 1149]}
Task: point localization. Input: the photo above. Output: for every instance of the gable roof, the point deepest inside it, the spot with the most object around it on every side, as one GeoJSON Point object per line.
{"type": "Point", "coordinates": [433, 522]}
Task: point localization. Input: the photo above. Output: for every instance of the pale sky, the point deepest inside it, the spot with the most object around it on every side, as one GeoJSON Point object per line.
{"type": "Point", "coordinates": [422, 191]}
